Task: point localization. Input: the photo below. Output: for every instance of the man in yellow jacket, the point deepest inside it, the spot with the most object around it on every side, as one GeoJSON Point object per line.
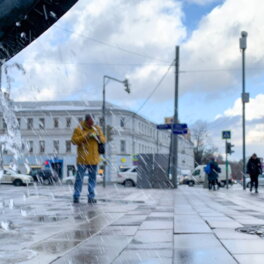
{"type": "Point", "coordinates": [87, 136]}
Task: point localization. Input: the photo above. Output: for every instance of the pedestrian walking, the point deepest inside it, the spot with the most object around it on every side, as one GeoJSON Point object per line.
{"type": "Point", "coordinates": [254, 169]}
{"type": "Point", "coordinates": [212, 169]}
{"type": "Point", "coordinates": [87, 136]}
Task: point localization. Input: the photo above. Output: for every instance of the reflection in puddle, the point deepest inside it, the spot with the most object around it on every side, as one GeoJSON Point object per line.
{"type": "Point", "coordinates": [54, 247]}
{"type": "Point", "coordinates": [48, 218]}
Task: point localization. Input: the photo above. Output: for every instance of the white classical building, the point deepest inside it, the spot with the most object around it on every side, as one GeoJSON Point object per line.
{"type": "Point", "coordinates": [47, 127]}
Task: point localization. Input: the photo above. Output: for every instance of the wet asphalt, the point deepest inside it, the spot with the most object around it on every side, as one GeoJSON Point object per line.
{"type": "Point", "coordinates": [40, 224]}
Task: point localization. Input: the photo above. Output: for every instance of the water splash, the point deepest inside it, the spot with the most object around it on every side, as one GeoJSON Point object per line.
{"type": "Point", "coordinates": [6, 225]}
{"type": "Point", "coordinates": [11, 141]}
{"type": "Point", "coordinates": [23, 212]}
{"type": "Point", "coordinates": [11, 204]}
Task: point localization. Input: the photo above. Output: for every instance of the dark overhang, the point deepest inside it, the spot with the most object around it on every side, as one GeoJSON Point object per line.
{"type": "Point", "coordinates": [22, 21]}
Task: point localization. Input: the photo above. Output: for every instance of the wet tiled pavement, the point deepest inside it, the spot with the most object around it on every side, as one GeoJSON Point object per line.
{"type": "Point", "coordinates": [129, 225]}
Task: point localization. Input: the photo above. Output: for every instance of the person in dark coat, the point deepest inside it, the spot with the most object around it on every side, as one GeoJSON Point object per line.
{"type": "Point", "coordinates": [213, 176]}
{"type": "Point", "coordinates": [254, 169]}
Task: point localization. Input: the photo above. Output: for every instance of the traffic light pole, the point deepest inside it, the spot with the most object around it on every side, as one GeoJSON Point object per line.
{"type": "Point", "coordinates": [226, 165]}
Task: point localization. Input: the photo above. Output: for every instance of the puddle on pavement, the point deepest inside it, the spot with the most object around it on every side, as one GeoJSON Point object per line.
{"type": "Point", "coordinates": [55, 247]}
{"type": "Point", "coordinates": [18, 257]}
{"type": "Point", "coordinates": [48, 218]}
{"type": "Point", "coordinates": [120, 201]}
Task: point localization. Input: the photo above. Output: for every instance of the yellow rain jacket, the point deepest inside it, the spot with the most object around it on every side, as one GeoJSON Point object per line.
{"type": "Point", "coordinates": [87, 145]}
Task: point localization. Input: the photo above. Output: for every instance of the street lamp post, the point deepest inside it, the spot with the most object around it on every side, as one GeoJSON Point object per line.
{"type": "Point", "coordinates": [127, 89]}
{"type": "Point", "coordinates": [245, 99]}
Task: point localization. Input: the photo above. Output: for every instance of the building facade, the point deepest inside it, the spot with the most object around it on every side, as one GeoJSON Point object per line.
{"type": "Point", "coordinates": [46, 130]}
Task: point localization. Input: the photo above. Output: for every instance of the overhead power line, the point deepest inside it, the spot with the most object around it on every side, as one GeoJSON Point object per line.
{"type": "Point", "coordinates": [111, 45]}
{"type": "Point", "coordinates": [155, 88]}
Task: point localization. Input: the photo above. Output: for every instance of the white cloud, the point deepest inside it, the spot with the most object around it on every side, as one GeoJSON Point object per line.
{"type": "Point", "coordinates": [254, 109]}
{"type": "Point", "coordinates": [215, 46]}
{"type": "Point", "coordinates": [232, 120]}
{"type": "Point", "coordinates": [76, 65]}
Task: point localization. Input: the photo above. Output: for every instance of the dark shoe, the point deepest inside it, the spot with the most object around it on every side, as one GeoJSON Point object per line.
{"type": "Point", "coordinates": [250, 189]}
{"type": "Point", "coordinates": [75, 200]}
{"type": "Point", "coordinates": [256, 191]}
{"type": "Point", "coordinates": [92, 201]}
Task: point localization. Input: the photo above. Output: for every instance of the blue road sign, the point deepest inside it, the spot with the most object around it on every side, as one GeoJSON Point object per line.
{"type": "Point", "coordinates": [180, 131]}
{"type": "Point", "coordinates": [164, 126]}
{"type": "Point", "coordinates": [172, 126]}
{"type": "Point", "coordinates": [226, 134]}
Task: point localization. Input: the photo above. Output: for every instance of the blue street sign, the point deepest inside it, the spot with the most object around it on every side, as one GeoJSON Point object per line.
{"type": "Point", "coordinates": [180, 131]}
{"type": "Point", "coordinates": [164, 126]}
{"type": "Point", "coordinates": [226, 134]}
{"type": "Point", "coordinates": [174, 126]}
{"type": "Point", "coordinates": [179, 126]}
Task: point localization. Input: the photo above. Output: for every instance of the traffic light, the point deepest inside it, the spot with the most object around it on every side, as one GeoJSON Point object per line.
{"type": "Point", "coordinates": [109, 133]}
{"type": "Point", "coordinates": [229, 147]}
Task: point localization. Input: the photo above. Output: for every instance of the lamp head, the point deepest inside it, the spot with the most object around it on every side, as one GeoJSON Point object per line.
{"type": "Point", "coordinates": [244, 34]}
{"type": "Point", "coordinates": [127, 86]}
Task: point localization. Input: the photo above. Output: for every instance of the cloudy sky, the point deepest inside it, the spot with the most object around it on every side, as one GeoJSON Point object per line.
{"type": "Point", "coordinates": [136, 39]}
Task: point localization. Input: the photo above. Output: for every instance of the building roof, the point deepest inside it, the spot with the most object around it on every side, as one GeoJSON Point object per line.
{"type": "Point", "coordinates": [62, 106]}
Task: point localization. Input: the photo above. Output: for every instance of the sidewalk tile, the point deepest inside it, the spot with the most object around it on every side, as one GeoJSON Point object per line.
{"type": "Point", "coordinates": [190, 224]}
{"type": "Point", "coordinates": [160, 256]}
{"type": "Point", "coordinates": [228, 233]}
{"type": "Point", "coordinates": [200, 249]}
{"type": "Point", "coordinates": [250, 258]}
{"type": "Point", "coordinates": [244, 246]}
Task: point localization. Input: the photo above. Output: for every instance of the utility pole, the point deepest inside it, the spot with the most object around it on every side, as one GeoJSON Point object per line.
{"type": "Point", "coordinates": [175, 121]}
{"type": "Point", "coordinates": [1, 146]}
{"type": "Point", "coordinates": [245, 99]}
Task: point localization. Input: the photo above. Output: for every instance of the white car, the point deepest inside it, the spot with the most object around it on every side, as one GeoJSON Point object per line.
{"type": "Point", "coordinates": [9, 176]}
{"type": "Point", "coordinates": [127, 176]}
{"type": "Point", "coordinates": [70, 180]}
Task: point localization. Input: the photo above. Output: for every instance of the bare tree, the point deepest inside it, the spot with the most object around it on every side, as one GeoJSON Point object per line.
{"type": "Point", "coordinates": [202, 149]}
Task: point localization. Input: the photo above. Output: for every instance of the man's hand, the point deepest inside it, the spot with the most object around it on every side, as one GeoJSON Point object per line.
{"type": "Point", "coordinates": [93, 135]}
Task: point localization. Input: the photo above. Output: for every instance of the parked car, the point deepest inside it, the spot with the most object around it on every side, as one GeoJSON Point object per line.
{"type": "Point", "coordinates": [127, 176]}
{"type": "Point", "coordinates": [261, 181]}
{"type": "Point", "coordinates": [10, 176]}
{"type": "Point", "coordinates": [71, 179]}
{"type": "Point", "coordinates": [45, 176]}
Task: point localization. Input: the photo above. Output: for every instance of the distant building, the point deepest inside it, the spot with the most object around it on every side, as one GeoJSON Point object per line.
{"type": "Point", "coordinates": [46, 129]}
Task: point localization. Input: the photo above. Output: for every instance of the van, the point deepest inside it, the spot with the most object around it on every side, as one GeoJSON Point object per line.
{"type": "Point", "coordinates": [198, 175]}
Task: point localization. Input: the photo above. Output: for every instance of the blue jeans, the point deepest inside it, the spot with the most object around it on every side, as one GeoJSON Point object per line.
{"type": "Point", "coordinates": [92, 169]}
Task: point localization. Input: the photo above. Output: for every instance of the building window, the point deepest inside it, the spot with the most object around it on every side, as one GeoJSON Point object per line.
{"type": "Point", "coordinates": [30, 146]}
{"type": "Point", "coordinates": [122, 122]}
{"type": "Point", "coordinates": [56, 122]}
{"type": "Point", "coordinates": [122, 146]}
{"type": "Point", "coordinates": [19, 122]}
{"type": "Point", "coordinates": [42, 123]}
{"type": "Point", "coordinates": [4, 123]}
{"type": "Point", "coordinates": [30, 123]}
{"type": "Point", "coordinates": [41, 146]}
{"type": "Point", "coordinates": [56, 146]}
{"type": "Point", "coordinates": [68, 122]}
{"type": "Point", "coordinates": [68, 146]}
